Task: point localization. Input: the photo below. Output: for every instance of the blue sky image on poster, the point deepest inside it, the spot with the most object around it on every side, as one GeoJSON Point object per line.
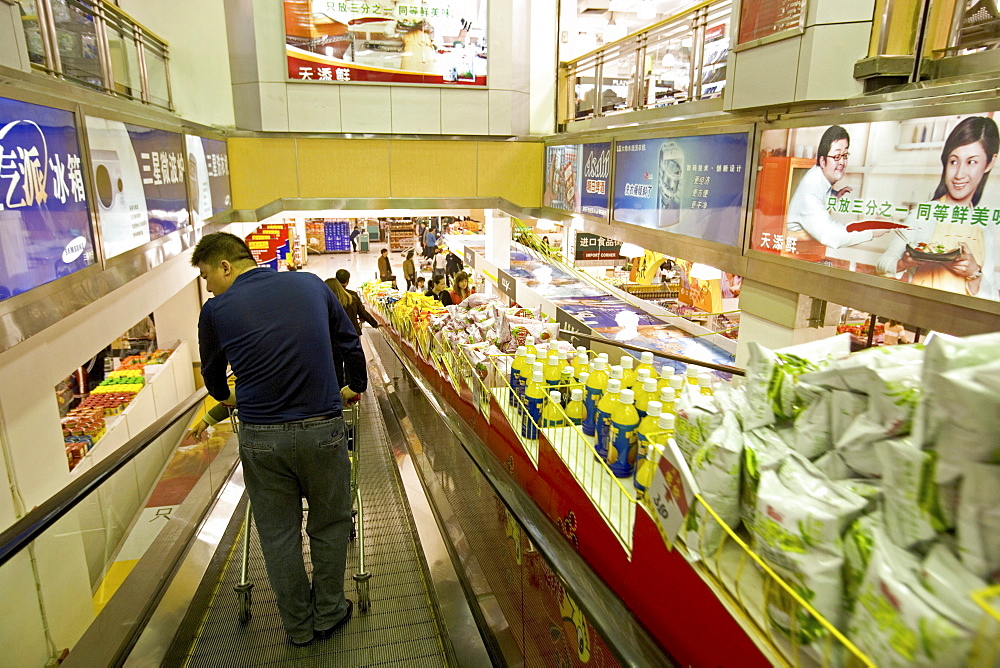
{"type": "Point", "coordinates": [685, 185]}
{"type": "Point", "coordinates": [44, 226]}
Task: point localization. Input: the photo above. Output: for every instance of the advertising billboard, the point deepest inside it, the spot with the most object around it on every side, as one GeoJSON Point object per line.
{"type": "Point", "coordinates": [140, 178]}
{"type": "Point", "coordinates": [393, 41]}
{"type": "Point", "coordinates": [208, 176]}
{"type": "Point", "coordinates": [577, 178]}
{"type": "Point", "coordinates": [907, 199]}
{"type": "Point", "coordinates": [44, 226]}
{"type": "Point", "coordinates": [685, 185]}
{"type": "Point", "coordinates": [594, 247]}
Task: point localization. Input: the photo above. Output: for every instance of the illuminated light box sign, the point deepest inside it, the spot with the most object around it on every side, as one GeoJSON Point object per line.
{"type": "Point", "coordinates": [594, 247]}
{"type": "Point", "coordinates": [577, 178]}
{"type": "Point", "coordinates": [436, 42]}
{"type": "Point", "coordinates": [140, 176]}
{"type": "Point", "coordinates": [909, 200]}
{"type": "Point", "coordinates": [685, 185]}
{"type": "Point", "coordinates": [44, 225]}
{"type": "Point", "coordinates": [208, 174]}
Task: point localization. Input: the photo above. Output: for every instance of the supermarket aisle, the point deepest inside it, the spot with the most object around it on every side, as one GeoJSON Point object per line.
{"type": "Point", "coordinates": [362, 266]}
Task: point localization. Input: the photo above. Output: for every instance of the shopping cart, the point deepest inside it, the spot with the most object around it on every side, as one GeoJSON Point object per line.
{"type": "Point", "coordinates": [244, 588]}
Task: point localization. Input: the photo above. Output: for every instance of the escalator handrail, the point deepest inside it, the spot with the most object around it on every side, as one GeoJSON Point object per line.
{"type": "Point", "coordinates": [25, 530]}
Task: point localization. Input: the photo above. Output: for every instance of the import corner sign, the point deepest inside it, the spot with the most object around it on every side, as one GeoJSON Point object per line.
{"type": "Point", "coordinates": [593, 247]}
{"type": "Point", "coordinates": [506, 284]}
{"type": "Point", "coordinates": [405, 41]}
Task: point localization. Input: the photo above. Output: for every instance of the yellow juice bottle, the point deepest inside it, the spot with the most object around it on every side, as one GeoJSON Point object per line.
{"type": "Point", "coordinates": [628, 371]}
{"type": "Point", "coordinates": [622, 444]}
{"type": "Point", "coordinates": [524, 374]}
{"type": "Point", "coordinates": [644, 394]}
{"type": "Point", "coordinates": [705, 383]}
{"type": "Point", "coordinates": [553, 372]}
{"type": "Point", "coordinates": [648, 426]}
{"type": "Point", "coordinates": [566, 383]}
{"type": "Point", "coordinates": [581, 364]}
{"type": "Point", "coordinates": [552, 414]}
{"type": "Point", "coordinates": [641, 376]}
{"type": "Point", "coordinates": [603, 419]}
{"type": "Point", "coordinates": [534, 398]}
{"type": "Point", "coordinates": [529, 345]}
{"type": "Point", "coordinates": [576, 410]}
{"type": "Point", "coordinates": [597, 381]}
{"type": "Point", "coordinates": [646, 362]}
{"type": "Point", "coordinates": [666, 375]}
{"type": "Point", "coordinates": [691, 374]}
{"type": "Point", "coordinates": [515, 376]}
{"type": "Point", "coordinates": [668, 396]}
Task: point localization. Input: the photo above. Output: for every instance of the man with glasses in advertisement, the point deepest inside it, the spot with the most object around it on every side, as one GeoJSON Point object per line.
{"type": "Point", "coordinates": [808, 215]}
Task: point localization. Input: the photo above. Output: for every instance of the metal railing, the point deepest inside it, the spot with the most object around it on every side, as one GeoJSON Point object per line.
{"type": "Point", "coordinates": [679, 59]}
{"type": "Point", "coordinates": [94, 43]}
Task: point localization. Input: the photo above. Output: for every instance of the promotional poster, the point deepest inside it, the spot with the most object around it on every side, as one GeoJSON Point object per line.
{"type": "Point", "coordinates": [208, 175]}
{"type": "Point", "coordinates": [44, 226]}
{"type": "Point", "coordinates": [595, 183]}
{"type": "Point", "coordinates": [396, 41]}
{"type": "Point", "coordinates": [577, 178]}
{"type": "Point", "coordinates": [909, 200]}
{"type": "Point", "coordinates": [685, 185]}
{"type": "Point", "coordinates": [140, 176]}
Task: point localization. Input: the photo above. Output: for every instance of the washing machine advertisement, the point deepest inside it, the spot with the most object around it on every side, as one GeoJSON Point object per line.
{"type": "Point", "coordinates": [685, 185]}
{"type": "Point", "coordinates": [44, 225]}
{"type": "Point", "coordinates": [208, 177]}
{"type": "Point", "coordinates": [140, 181]}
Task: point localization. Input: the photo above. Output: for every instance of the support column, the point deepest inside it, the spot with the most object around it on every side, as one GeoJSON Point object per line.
{"type": "Point", "coordinates": [498, 229]}
{"type": "Point", "coordinates": [777, 318]}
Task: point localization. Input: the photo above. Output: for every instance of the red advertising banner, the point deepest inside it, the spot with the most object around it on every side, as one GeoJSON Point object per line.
{"type": "Point", "coordinates": [908, 200]}
{"type": "Point", "coordinates": [397, 41]}
{"type": "Point", "coordinates": [763, 18]}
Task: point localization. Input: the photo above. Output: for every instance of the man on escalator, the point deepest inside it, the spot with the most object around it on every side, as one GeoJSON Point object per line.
{"type": "Point", "coordinates": [278, 331]}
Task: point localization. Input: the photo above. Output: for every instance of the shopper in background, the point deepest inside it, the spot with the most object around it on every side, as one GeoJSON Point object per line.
{"type": "Point", "coordinates": [452, 265]}
{"type": "Point", "coordinates": [355, 233]}
{"type": "Point", "coordinates": [430, 243]}
{"type": "Point", "coordinates": [439, 290]}
{"type": "Point", "coordinates": [384, 268]}
{"type": "Point", "coordinates": [893, 333]}
{"type": "Point", "coordinates": [359, 313]}
{"type": "Point", "coordinates": [461, 288]}
{"type": "Point", "coordinates": [418, 285]}
{"type": "Point", "coordinates": [440, 263]}
{"type": "Point", "coordinates": [278, 332]}
{"type": "Point", "coordinates": [409, 270]}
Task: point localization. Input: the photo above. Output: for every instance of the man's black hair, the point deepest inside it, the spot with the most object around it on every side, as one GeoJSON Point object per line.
{"type": "Point", "coordinates": [343, 276]}
{"type": "Point", "coordinates": [832, 134]}
{"type": "Point", "coordinates": [218, 246]}
{"type": "Point", "coordinates": [436, 278]}
{"type": "Point", "coordinates": [384, 251]}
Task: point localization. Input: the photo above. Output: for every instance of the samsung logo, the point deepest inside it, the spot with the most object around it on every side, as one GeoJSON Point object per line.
{"type": "Point", "coordinates": [74, 249]}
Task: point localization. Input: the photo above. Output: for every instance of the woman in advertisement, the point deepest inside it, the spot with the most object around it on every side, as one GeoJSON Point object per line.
{"type": "Point", "coordinates": [967, 250]}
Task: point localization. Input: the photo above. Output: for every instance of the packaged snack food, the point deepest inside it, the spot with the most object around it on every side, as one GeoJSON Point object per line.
{"type": "Point", "coordinates": [912, 512]}
{"type": "Point", "coordinates": [716, 468]}
{"type": "Point", "coordinates": [945, 577]}
{"type": "Point", "coordinates": [897, 622]}
{"type": "Point", "coordinates": [801, 517]}
{"type": "Point", "coordinates": [979, 520]}
{"type": "Point", "coordinates": [763, 450]}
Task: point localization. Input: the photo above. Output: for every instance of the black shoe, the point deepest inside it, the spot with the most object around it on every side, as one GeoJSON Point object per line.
{"type": "Point", "coordinates": [323, 635]}
{"type": "Point", "coordinates": [295, 643]}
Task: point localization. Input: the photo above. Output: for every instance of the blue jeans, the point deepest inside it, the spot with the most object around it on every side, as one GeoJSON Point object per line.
{"type": "Point", "coordinates": [281, 464]}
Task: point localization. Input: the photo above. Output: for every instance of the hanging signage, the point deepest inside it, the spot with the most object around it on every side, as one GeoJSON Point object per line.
{"type": "Point", "coordinates": [140, 176]}
{"type": "Point", "coordinates": [208, 175]}
{"type": "Point", "coordinates": [763, 18]}
{"type": "Point", "coordinates": [593, 247]}
{"type": "Point", "coordinates": [469, 256]}
{"type": "Point", "coordinates": [577, 178]}
{"type": "Point", "coordinates": [393, 41]}
{"type": "Point", "coordinates": [927, 215]}
{"type": "Point", "coordinates": [507, 285]}
{"type": "Point", "coordinates": [596, 181]}
{"type": "Point", "coordinates": [44, 225]}
{"type": "Point", "coordinates": [685, 185]}
{"type": "Point", "coordinates": [562, 177]}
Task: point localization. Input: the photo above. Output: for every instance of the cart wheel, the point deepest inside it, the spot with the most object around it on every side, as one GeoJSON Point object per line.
{"type": "Point", "coordinates": [246, 600]}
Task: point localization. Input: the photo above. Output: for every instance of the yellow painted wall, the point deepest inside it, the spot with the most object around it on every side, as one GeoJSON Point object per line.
{"type": "Point", "coordinates": [265, 169]}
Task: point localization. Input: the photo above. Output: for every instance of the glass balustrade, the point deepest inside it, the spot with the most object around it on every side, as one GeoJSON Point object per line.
{"type": "Point", "coordinates": [94, 43]}
{"type": "Point", "coordinates": [680, 59]}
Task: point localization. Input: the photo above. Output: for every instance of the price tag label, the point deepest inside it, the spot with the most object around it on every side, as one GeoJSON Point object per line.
{"type": "Point", "coordinates": [671, 493]}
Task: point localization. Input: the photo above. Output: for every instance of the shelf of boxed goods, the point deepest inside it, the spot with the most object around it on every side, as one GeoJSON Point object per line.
{"type": "Point", "coordinates": [166, 385]}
